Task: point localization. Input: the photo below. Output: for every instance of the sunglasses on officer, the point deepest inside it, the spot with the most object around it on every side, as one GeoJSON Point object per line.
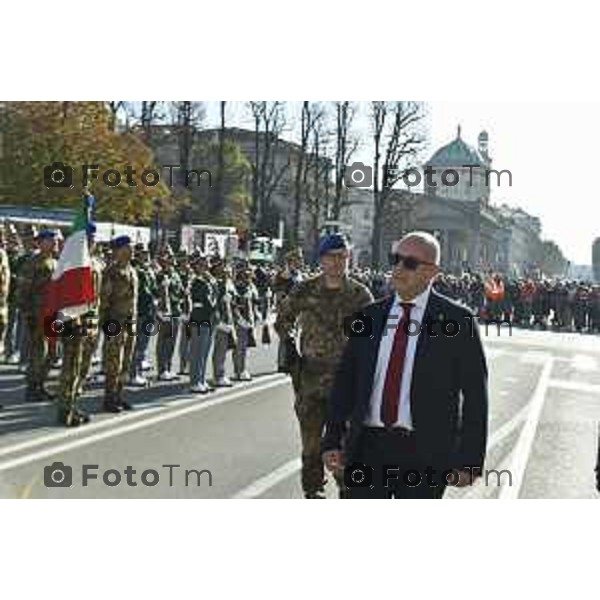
{"type": "Point", "coordinates": [408, 262]}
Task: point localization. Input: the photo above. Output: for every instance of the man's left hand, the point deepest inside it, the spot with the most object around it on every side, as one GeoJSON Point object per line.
{"type": "Point", "coordinates": [466, 477]}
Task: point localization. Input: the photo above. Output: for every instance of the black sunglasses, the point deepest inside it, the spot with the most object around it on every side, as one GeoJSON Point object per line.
{"type": "Point", "coordinates": [408, 262]}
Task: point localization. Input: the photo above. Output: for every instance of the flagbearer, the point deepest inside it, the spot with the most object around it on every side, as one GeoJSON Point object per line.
{"type": "Point", "coordinates": [83, 329]}
{"type": "Point", "coordinates": [34, 289]}
{"type": "Point", "coordinates": [118, 302]}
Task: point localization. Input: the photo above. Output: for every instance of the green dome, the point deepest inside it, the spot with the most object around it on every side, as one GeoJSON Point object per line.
{"type": "Point", "coordinates": [456, 154]}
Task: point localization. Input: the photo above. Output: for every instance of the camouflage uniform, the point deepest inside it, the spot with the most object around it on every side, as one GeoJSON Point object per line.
{"type": "Point", "coordinates": [319, 314]}
{"type": "Point", "coordinates": [118, 301]}
{"type": "Point", "coordinates": [34, 283]}
{"type": "Point", "coordinates": [69, 376]}
{"type": "Point", "coordinates": [89, 342]}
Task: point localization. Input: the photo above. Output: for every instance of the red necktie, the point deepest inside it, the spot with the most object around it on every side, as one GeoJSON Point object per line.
{"type": "Point", "coordinates": [393, 378]}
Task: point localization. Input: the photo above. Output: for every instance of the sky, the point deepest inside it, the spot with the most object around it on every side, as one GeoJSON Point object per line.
{"type": "Point", "coordinates": [549, 147]}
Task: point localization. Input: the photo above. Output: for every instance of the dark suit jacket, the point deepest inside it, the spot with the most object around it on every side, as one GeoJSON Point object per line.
{"type": "Point", "coordinates": [449, 399]}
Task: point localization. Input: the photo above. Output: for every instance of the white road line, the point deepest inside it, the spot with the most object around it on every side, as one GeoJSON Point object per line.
{"type": "Point", "coordinates": [507, 428]}
{"type": "Point", "coordinates": [262, 485]}
{"type": "Point", "coordinates": [524, 444]}
{"type": "Point", "coordinates": [575, 386]}
{"type": "Point", "coordinates": [170, 412]}
{"type": "Point", "coordinates": [535, 357]}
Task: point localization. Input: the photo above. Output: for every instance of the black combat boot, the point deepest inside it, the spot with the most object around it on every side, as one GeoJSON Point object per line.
{"type": "Point", "coordinates": [71, 416]}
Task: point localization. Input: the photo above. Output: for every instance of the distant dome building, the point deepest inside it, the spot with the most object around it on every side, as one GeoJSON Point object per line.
{"type": "Point", "coordinates": [459, 171]}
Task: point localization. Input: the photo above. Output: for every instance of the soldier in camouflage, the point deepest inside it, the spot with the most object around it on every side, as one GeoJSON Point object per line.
{"type": "Point", "coordinates": [91, 321]}
{"type": "Point", "coordinates": [71, 371]}
{"type": "Point", "coordinates": [118, 300]}
{"type": "Point", "coordinates": [34, 284]}
{"type": "Point", "coordinates": [315, 310]}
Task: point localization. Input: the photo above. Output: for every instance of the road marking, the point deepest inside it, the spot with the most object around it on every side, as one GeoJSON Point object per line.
{"type": "Point", "coordinates": [167, 412]}
{"type": "Point", "coordinates": [262, 485]}
{"type": "Point", "coordinates": [28, 489]}
{"type": "Point", "coordinates": [507, 428]}
{"type": "Point", "coordinates": [575, 386]}
{"type": "Point", "coordinates": [524, 444]}
{"type": "Point", "coordinates": [535, 357]}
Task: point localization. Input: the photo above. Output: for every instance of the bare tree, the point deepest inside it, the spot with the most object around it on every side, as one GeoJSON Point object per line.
{"type": "Point", "coordinates": [345, 147]}
{"type": "Point", "coordinates": [398, 138]}
{"type": "Point", "coordinates": [267, 168]}
{"type": "Point", "coordinates": [217, 199]}
{"type": "Point", "coordinates": [187, 117]}
{"type": "Point", "coordinates": [311, 128]}
{"type": "Point", "coordinates": [317, 175]}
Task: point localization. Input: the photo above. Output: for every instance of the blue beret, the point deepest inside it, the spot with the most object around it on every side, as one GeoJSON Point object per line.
{"type": "Point", "coordinates": [46, 234]}
{"type": "Point", "coordinates": [122, 240]}
{"type": "Point", "coordinates": [333, 241]}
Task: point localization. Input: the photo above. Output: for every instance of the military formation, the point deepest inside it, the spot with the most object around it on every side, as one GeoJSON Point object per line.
{"type": "Point", "coordinates": [200, 309]}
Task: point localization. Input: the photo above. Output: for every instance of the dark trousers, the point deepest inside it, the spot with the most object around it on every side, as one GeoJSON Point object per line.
{"type": "Point", "coordinates": [392, 468]}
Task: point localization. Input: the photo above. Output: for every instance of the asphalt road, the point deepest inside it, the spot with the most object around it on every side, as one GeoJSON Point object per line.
{"type": "Point", "coordinates": [243, 442]}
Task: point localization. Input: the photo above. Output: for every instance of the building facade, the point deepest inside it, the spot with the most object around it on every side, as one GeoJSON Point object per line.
{"type": "Point", "coordinates": [455, 206]}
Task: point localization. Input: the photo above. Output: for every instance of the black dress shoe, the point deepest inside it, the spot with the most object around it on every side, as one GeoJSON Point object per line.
{"type": "Point", "coordinates": [125, 405]}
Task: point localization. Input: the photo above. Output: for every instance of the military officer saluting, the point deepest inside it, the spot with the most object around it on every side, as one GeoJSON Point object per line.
{"type": "Point", "coordinates": [118, 302]}
{"type": "Point", "coordinates": [316, 309]}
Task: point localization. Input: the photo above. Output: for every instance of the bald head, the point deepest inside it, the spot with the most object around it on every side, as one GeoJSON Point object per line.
{"type": "Point", "coordinates": [421, 245]}
{"type": "Point", "coordinates": [411, 277]}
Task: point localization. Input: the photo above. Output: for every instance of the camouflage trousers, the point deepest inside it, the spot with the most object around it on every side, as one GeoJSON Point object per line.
{"type": "Point", "coordinates": [89, 345]}
{"type": "Point", "coordinates": [118, 353]}
{"type": "Point", "coordinates": [312, 390]}
{"type": "Point", "coordinates": [39, 358]}
{"type": "Point", "coordinates": [71, 371]}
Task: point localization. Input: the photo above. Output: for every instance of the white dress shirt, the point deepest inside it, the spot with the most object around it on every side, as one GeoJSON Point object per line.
{"type": "Point", "coordinates": [383, 358]}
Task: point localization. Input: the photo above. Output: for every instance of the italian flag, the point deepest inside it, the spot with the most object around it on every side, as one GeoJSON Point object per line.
{"type": "Point", "coordinates": [71, 289]}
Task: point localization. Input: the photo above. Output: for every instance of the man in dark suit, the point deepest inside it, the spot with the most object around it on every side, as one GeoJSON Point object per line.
{"type": "Point", "coordinates": [408, 412]}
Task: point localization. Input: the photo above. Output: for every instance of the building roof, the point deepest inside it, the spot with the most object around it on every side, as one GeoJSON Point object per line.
{"type": "Point", "coordinates": [456, 154]}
